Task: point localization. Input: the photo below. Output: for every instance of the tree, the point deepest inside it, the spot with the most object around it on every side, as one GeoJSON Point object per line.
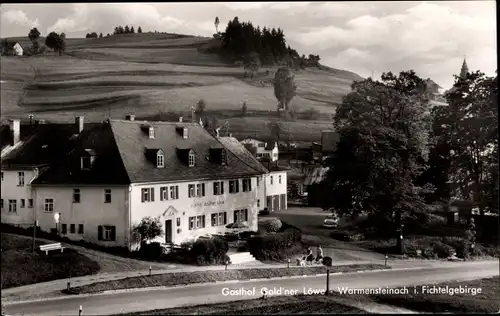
{"type": "Point", "coordinates": [284, 87]}
{"type": "Point", "coordinates": [127, 30]}
{"type": "Point", "coordinates": [200, 107]}
{"type": "Point", "coordinates": [139, 30]}
{"type": "Point", "coordinates": [471, 129]}
{"type": "Point", "coordinates": [55, 42]}
{"type": "Point", "coordinates": [100, 35]}
{"type": "Point", "coordinates": [132, 30]}
{"type": "Point", "coordinates": [384, 132]}
{"type": "Point", "coordinates": [63, 35]}
{"type": "Point", "coordinates": [34, 35]}
{"type": "Point", "coordinates": [244, 109]}
{"type": "Point", "coordinates": [275, 129]}
{"type": "Point", "coordinates": [252, 63]}
{"type": "Point", "coordinates": [216, 24]}
{"type": "Point", "coordinates": [149, 228]}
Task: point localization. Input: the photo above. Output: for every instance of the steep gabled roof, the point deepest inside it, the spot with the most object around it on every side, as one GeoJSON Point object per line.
{"type": "Point", "coordinates": [96, 141]}
{"type": "Point", "coordinates": [239, 150]}
{"type": "Point", "coordinates": [131, 141]}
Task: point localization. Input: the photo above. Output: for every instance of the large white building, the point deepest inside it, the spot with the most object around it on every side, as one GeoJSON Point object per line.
{"type": "Point", "coordinates": [120, 171]}
{"type": "Point", "coordinates": [267, 150]}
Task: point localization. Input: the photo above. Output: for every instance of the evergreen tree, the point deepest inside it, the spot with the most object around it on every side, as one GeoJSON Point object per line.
{"type": "Point", "coordinates": [139, 30]}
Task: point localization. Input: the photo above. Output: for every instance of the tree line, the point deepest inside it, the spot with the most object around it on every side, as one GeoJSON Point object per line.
{"type": "Point", "coordinates": [54, 41]}
{"type": "Point", "coordinates": [126, 30]}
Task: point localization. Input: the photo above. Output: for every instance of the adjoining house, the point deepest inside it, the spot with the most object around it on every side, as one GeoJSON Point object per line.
{"type": "Point", "coordinates": [264, 149]}
{"type": "Point", "coordinates": [27, 150]}
{"type": "Point", "coordinates": [13, 48]}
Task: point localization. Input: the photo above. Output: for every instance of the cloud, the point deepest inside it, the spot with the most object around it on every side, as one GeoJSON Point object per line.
{"type": "Point", "coordinates": [430, 37]}
{"type": "Point", "coordinates": [19, 17]}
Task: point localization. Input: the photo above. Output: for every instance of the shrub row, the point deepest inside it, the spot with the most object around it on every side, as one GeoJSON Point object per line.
{"type": "Point", "coordinates": [202, 252]}
{"type": "Point", "coordinates": [277, 246]}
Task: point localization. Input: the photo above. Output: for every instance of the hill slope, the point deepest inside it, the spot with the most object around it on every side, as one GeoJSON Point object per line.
{"type": "Point", "coordinates": [150, 73]}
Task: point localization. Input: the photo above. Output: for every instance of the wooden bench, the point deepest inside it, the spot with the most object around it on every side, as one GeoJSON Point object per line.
{"type": "Point", "coordinates": [50, 247]}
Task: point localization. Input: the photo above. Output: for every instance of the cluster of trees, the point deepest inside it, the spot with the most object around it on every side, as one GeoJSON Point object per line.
{"type": "Point", "coordinates": [94, 35]}
{"type": "Point", "coordinates": [126, 30]}
{"type": "Point", "coordinates": [54, 41]}
{"type": "Point", "coordinates": [396, 153]}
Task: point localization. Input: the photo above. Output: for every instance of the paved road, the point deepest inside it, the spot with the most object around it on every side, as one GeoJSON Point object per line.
{"type": "Point", "coordinates": [204, 294]}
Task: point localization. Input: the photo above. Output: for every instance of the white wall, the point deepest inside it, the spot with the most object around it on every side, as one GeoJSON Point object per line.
{"type": "Point", "coordinates": [186, 207]}
{"type": "Point", "coordinates": [276, 188]}
{"type": "Point", "coordinates": [18, 49]}
{"type": "Point", "coordinates": [11, 190]}
{"type": "Point", "coordinates": [91, 211]}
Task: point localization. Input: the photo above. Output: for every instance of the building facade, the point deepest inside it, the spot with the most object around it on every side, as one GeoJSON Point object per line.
{"type": "Point", "coordinates": [263, 149]}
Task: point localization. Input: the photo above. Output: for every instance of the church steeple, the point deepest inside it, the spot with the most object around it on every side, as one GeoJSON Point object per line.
{"type": "Point", "coordinates": [464, 70]}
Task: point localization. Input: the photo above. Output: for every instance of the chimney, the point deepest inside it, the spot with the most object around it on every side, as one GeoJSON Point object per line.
{"type": "Point", "coordinates": [180, 119]}
{"type": "Point", "coordinates": [217, 131]}
{"type": "Point", "coordinates": [230, 135]}
{"type": "Point", "coordinates": [15, 128]}
{"type": "Point", "coordinates": [79, 123]}
{"type": "Point", "coordinates": [31, 116]}
{"type": "Point", "coordinates": [130, 117]}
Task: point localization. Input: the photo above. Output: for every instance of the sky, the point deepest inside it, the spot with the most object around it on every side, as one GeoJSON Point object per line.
{"type": "Point", "coordinates": [364, 37]}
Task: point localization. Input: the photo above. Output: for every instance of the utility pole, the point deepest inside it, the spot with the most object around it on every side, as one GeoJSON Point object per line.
{"type": "Point", "coordinates": [34, 235]}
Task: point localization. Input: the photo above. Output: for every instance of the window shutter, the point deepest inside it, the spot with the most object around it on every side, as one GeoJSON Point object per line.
{"type": "Point", "coordinates": [203, 221]}
{"type": "Point", "coordinates": [203, 189]}
{"type": "Point", "coordinates": [213, 219]}
{"type": "Point", "coordinates": [222, 187]}
{"type": "Point", "coordinates": [176, 192]}
{"type": "Point", "coordinates": [249, 184]}
{"type": "Point", "coordinates": [152, 194]}
{"type": "Point", "coordinates": [113, 233]}
{"type": "Point", "coordinates": [246, 215]}
{"type": "Point", "coordinates": [225, 218]}
{"type": "Point", "coordinates": [99, 232]}
{"type": "Point", "coordinates": [235, 219]}
{"type": "Point", "coordinates": [162, 189]}
{"type": "Point", "coordinates": [237, 186]}
{"type": "Point", "coordinates": [142, 195]}
{"type": "Point", "coordinates": [215, 188]}
{"type": "Point", "coordinates": [64, 229]}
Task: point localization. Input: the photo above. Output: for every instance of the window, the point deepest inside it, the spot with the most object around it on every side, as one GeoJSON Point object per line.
{"type": "Point", "coordinates": [219, 219]}
{"type": "Point", "coordinates": [178, 221]}
{"type": "Point", "coordinates": [279, 179]}
{"type": "Point", "coordinates": [247, 185]}
{"type": "Point", "coordinates": [200, 189]}
{"type": "Point", "coordinates": [174, 192]}
{"type": "Point", "coordinates": [64, 229]}
{"type": "Point", "coordinates": [192, 159]}
{"type": "Point", "coordinates": [196, 222]}
{"type": "Point", "coordinates": [72, 228]}
{"type": "Point", "coordinates": [106, 233]}
{"type": "Point", "coordinates": [23, 203]}
{"type": "Point", "coordinates": [191, 190]}
{"type": "Point", "coordinates": [76, 195]}
{"type": "Point", "coordinates": [2, 175]}
{"type": "Point", "coordinates": [258, 203]}
{"type": "Point", "coordinates": [234, 186]}
{"type": "Point", "coordinates": [80, 229]}
{"type": "Point", "coordinates": [185, 133]}
{"type": "Point", "coordinates": [258, 182]}
{"type": "Point", "coordinates": [12, 206]}
{"type": "Point", "coordinates": [271, 180]}
{"type": "Point", "coordinates": [30, 203]}
{"type": "Point", "coordinates": [218, 187]}
{"type": "Point", "coordinates": [107, 196]}
{"type": "Point", "coordinates": [160, 160]}
{"type": "Point", "coordinates": [20, 179]}
{"type": "Point", "coordinates": [148, 194]}
{"type": "Point", "coordinates": [1, 203]}
{"type": "Point", "coordinates": [261, 145]}
{"type": "Point", "coordinates": [151, 132]}
{"type": "Point", "coordinates": [163, 193]}
{"type": "Point", "coordinates": [49, 205]}
{"type": "Point", "coordinates": [86, 163]}
{"type": "Point", "coordinates": [240, 216]}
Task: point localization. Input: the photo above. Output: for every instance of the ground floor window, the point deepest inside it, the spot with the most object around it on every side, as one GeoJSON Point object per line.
{"type": "Point", "coordinates": [12, 206]}
{"type": "Point", "coordinates": [240, 216]}
{"type": "Point", "coordinates": [106, 233]}
{"type": "Point", "coordinates": [219, 219]}
{"type": "Point", "coordinates": [196, 222]}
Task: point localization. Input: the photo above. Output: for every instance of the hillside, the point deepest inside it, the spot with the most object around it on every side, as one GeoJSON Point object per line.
{"type": "Point", "coordinates": [150, 73]}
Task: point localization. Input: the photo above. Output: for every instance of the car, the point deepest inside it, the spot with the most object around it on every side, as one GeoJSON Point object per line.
{"type": "Point", "coordinates": [331, 221]}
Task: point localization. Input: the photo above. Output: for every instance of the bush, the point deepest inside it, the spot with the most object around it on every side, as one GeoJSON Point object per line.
{"type": "Point", "coordinates": [152, 251]}
{"type": "Point", "coordinates": [210, 251]}
{"type": "Point", "coordinates": [278, 246]}
{"type": "Point", "coordinates": [273, 225]}
{"type": "Point", "coordinates": [442, 250]}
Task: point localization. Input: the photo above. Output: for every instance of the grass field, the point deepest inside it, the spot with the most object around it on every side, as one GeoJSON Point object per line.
{"type": "Point", "coordinates": [20, 266]}
{"type": "Point", "coordinates": [279, 305]}
{"type": "Point", "coordinates": [151, 73]}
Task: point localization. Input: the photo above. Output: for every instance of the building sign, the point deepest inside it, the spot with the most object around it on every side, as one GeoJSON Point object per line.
{"type": "Point", "coordinates": [206, 204]}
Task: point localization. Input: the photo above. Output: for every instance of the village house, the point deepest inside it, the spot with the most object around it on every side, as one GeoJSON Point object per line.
{"type": "Point", "coordinates": [13, 48]}
{"type": "Point", "coordinates": [26, 150]}
{"type": "Point", "coordinates": [120, 171]}
{"type": "Point", "coordinates": [264, 150]}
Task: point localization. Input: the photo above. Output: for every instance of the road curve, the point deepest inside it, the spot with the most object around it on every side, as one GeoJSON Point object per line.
{"type": "Point", "coordinates": [212, 293]}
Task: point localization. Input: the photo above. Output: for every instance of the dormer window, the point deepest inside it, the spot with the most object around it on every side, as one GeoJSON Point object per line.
{"type": "Point", "coordinates": [191, 159]}
{"type": "Point", "coordinates": [151, 132]}
{"type": "Point", "coordinates": [87, 159]}
{"type": "Point", "coordinates": [160, 160]}
{"type": "Point", "coordinates": [185, 132]}
{"type": "Point", "coordinates": [86, 163]}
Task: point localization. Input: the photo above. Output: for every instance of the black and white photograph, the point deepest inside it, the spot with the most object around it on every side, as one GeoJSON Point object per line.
{"type": "Point", "coordinates": [250, 158]}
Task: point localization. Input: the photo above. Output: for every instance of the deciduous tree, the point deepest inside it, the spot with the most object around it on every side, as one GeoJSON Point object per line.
{"type": "Point", "coordinates": [284, 87]}
{"type": "Point", "coordinates": [216, 23]}
{"type": "Point", "coordinates": [149, 228]}
{"type": "Point", "coordinates": [34, 35]}
{"type": "Point", "coordinates": [55, 42]}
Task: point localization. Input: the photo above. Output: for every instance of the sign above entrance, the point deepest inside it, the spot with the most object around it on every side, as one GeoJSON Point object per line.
{"type": "Point", "coordinates": [170, 211]}
{"type": "Point", "coordinates": [206, 204]}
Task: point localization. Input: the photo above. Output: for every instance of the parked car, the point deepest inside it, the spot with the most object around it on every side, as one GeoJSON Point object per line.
{"type": "Point", "coordinates": [331, 221]}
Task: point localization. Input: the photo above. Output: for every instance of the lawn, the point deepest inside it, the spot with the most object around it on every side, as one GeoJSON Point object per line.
{"type": "Point", "coordinates": [278, 305]}
{"type": "Point", "coordinates": [487, 301]}
{"type": "Point", "coordinates": [20, 266]}
{"type": "Point", "coordinates": [183, 278]}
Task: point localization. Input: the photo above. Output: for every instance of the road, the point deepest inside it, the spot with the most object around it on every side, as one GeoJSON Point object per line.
{"type": "Point", "coordinates": [212, 293]}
